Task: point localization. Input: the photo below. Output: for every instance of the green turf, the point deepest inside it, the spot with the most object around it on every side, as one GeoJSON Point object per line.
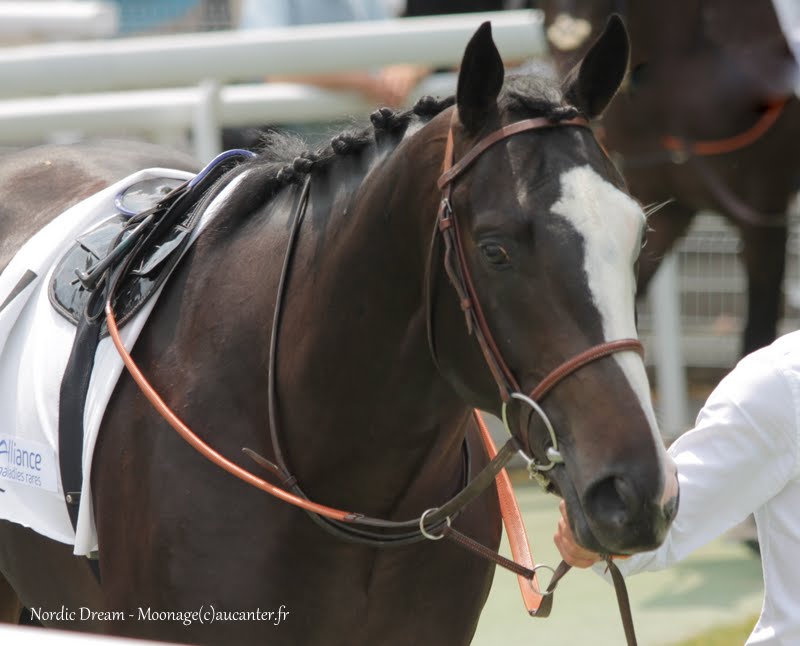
{"type": "Point", "coordinates": [724, 636]}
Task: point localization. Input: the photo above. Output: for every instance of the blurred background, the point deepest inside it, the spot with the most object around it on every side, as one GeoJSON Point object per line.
{"type": "Point", "coordinates": [206, 75]}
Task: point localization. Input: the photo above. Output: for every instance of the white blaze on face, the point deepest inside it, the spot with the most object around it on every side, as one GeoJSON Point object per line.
{"type": "Point", "coordinates": [611, 224]}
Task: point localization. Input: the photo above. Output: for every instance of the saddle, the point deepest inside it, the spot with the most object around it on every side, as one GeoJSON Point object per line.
{"type": "Point", "coordinates": [125, 260]}
{"type": "Point", "coordinates": [71, 286]}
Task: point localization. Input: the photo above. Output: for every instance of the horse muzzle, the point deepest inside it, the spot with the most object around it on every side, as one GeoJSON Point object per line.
{"type": "Point", "coordinates": [615, 515]}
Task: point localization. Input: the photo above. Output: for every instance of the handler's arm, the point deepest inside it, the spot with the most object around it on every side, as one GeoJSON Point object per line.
{"type": "Point", "coordinates": [742, 451]}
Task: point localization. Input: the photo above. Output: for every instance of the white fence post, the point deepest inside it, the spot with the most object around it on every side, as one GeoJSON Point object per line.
{"type": "Point", "coordinates": [669, 364]}
{"type": "Point", "coordinates": [207, 137]}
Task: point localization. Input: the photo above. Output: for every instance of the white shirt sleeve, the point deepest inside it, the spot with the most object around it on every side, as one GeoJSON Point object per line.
{"type": "Point", "coordinates": [742, 452]}
{"type": "Point", "coordinates": [788, 12]}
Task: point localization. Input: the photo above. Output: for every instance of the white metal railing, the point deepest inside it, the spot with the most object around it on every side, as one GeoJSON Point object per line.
{"type": "Point", "coordinates": [188, 59]}
{"type": "Point", "coordinates": [26, 120]}
{"type": "Point", "coordinates": [200, 63]}
{"type": "Point", "coordinates": [48, 20]}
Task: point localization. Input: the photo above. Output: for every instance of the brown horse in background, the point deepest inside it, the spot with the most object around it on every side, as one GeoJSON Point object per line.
{"type": "Point", "coordinates": [708, 120]}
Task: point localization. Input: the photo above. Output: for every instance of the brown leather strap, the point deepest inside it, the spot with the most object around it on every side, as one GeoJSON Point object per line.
{"type": "Point", "coordinates": [199, 445]}
{"type": "Point", "coordinates": [728, 144]}
{"type": "Point", "coordinates": [514, 525]}
{"type": "Point", "coordinates": [547, 601]}
{"type": "Point", "coordinates": [454, 170]}
{"type": "Point", "coordinates": [459, 274]}
{"type": "Point", "coordinates": [623, 602]}
{"type": "Point", "coordinates": [545, 605]}
{"type": "Point", "coordinates": [455, 264]}
{"type": "Point", "coordinates": [477, 485]}
{"type": "Point", "coordinates": [578, 361]}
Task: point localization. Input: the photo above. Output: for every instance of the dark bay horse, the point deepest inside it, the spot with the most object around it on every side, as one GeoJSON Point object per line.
{"type": "Point", "coordinates": [707, 119]}
{"type": "Point", "coordinates": [376, 372]}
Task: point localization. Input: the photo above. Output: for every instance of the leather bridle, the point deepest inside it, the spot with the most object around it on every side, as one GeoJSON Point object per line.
{"type": "Point", "coordinates": [457, 268]}
{"type": "Point", "coordinates": [435, 523]}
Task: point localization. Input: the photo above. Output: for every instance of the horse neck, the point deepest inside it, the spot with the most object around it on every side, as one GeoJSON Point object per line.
{"type": "Point", "coordinates": [372, 401]}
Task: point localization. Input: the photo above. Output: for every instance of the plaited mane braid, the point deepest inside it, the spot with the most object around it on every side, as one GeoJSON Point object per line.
{"type": "Point", "coordinates": [283, 158]}
{"type": "Point", "coordinates": [387, 128]}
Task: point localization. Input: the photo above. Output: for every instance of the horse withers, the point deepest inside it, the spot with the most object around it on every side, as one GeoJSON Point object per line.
{"type": "Point", "coordinates": [370, 370]}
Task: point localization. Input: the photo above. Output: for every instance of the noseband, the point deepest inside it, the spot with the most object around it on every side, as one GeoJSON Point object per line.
{"type": "Point", "coordinates": [457, 268]}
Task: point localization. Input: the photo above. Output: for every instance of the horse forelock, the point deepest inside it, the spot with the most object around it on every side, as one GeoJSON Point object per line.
{"type": "Point", "coordinates": [527, 96]}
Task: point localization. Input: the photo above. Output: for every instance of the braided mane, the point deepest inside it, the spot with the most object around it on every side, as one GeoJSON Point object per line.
{"type": "Point", "coordinates": [289, 159]}
{"type": "Point", "coordinates": [284, 158]}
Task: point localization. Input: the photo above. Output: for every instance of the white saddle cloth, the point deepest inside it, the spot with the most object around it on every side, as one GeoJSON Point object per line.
{"type": "Point", "coordinates": [35, 343]}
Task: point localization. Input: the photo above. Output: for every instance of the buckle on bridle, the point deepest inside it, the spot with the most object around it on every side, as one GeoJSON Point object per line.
{"type": "Point", "coordinates": [425, 532]}
{"type": "Point", "coordinates": [532, 581]}
{"type": "Point", "coordinates": [445, 215]}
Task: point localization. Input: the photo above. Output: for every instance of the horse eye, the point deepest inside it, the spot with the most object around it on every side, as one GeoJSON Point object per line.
{"type": "Point", "coordinates": [495, 254]}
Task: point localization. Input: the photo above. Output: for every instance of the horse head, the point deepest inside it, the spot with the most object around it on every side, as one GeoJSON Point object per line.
{"type": "Point", "coordinates": [548, 240]}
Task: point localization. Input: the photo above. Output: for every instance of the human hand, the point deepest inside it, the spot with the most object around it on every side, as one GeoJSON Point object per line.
{"type": "Point", "coordinates": [571, 552]}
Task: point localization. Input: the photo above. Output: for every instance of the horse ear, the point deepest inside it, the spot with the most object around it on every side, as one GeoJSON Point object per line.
{"type": "Point", "coordinates": [479, 80]}
{"type": "Point", "coordinates": [594, 81]}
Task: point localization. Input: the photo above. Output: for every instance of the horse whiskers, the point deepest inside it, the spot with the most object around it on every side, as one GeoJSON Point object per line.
{"type": "Point", "coordinates": [650, 209]}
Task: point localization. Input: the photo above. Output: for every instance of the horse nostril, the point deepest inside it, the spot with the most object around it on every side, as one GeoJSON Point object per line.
{"type": "Point", "coordinates": [612, 502]}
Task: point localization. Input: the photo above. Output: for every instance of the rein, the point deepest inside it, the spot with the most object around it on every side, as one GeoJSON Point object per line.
{"type": "Point", "coordinates": [377, 532]}
{"type": "Point", "coordinates": [679, 150]}
{"type": "Point", "coordinates": [696, 151]}
{"type": "Point", "coordinates": [726, 145]}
